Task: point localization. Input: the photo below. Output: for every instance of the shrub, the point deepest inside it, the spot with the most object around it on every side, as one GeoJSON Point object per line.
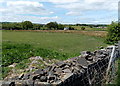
{"type": "Point", "coordinates": [82, 28]}
{"type": "Point", "coordinates": [27, 25]}
{"type": "Point", "coordinates": [113, 35]}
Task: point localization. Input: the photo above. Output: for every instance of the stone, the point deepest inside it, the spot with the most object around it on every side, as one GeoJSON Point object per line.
{"type": "Point", "coordinates": [67, 71]}
{"type": "Point", "coordinates": [27, 76]}
{"type": "Point", "coordinates": [58, 70]}
{"type": "Point", "coordinates": [52, 68]}
{"type": "Point", "coordinates": [89, 58]}
{"type": "Point", "coordinates": [85, 53]}
{"type": "Point", "coordinates": [46, 69]}
{"type": "Point", "coordinates": [43, 79]}
{"type": "Point", "coordinates": [42, 73]}
{"type": "Point", "coordinates": [83, 62]}
{"type": "Point", "coordinates": [101, 56]}
{"type": "Point", "coordinates": [36, 76]}
{"type": "Point", "coordinates": [61, 64]}
{"type": "Point", "coordinates": [21, 76]}
{"type": "Point", "coordinates": [8, 83]}
{"type": "Point", "coordinates": [101, 47]}
{"type": "Point", "coordinates": [66, 76]}
{"type": "Point", "coordinates": [13, 65]}
{"type": "Point", "coordinates": [30, 83]}
{"type": "Point", "coordinates": [39, 71]}
{"type": "Point", "coordinates": [34, 62]}
{"type": "Point", "coordinates": [52, 77]}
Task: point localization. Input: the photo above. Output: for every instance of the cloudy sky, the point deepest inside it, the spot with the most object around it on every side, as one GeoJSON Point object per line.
{"type": "Point", "coordinates": [61, 11]}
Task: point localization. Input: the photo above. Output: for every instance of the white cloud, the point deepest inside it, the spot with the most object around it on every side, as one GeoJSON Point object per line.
{"type": "Point", "coordinates": [94, 1]}
{"type": "Point", "coordinates": [72, 13]}
{"type": "Point", "coordinates": [24, 3]}
{"type": "Point", "coordinates": [35, 19]}
{"type": "Point", "coordinates": [25, 7]}
{"type": "Point", "coordinates": [89, 5]}
{"type": "Point", "coordinates": [34, 8]}
{"type": "Point", "coordinates": [62, 1]}
{"type": "Point", "coordinates": [48, 18]}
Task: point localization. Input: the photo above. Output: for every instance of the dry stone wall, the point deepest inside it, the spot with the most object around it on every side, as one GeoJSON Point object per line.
{"type": "Point", "coordinates": [88, 69]}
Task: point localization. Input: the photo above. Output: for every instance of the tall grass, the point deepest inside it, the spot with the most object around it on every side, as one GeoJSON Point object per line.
{"type": "Point", "coordinates": [118, 77]}
{"type": "Point", "coordinates": [17, 52]}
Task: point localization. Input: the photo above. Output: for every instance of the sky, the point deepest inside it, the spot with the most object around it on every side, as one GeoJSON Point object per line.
{"type": "Point", "coordinates": [61, 11]}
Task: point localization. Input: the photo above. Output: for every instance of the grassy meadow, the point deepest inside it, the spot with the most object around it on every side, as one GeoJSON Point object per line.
{"type": "Point", "coordinates": [18, 46]}
{"type": "Point", "coordinates": [87, 28]}
{"type": "Point", "coordinates": [62, 42]}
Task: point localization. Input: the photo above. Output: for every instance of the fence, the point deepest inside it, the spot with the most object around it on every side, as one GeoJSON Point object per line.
{"type": "Point", "coordinates": [90, 69]}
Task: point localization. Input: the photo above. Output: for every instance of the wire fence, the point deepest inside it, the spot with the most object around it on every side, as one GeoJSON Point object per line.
{"type": "Point", "coordinates": [101, 73]}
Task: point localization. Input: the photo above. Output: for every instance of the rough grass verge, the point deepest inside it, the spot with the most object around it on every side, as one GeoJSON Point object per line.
{"type": "Point", "coordinates": [16, 53]}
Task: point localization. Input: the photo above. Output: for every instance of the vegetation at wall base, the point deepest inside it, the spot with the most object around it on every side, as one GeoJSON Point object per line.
{"type": "Point", "coordinates": [16, 53]}
{"type": "Point", "coordinates": [118, 73]}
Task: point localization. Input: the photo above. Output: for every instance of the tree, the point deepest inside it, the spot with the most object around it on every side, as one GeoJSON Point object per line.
{"type": "Point", "coordinates": [36, 26]}
{"type": "Point", "coordinates": [27, 25]}
{"type": "Point", "coordinates": [71, 28]}
{"type": "Point", "coordinates": [52, 25]}
{"type": "Point", "coordinates": [82, 28]}
{"type": "Point", "coordinates": [113, 35]}
{"type": "Point", "coordinates": [60, 27]}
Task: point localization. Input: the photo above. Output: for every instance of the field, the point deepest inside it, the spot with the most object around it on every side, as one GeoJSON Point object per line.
{"type": "Point", "coordinates": [18, 46]}
{"type": "Point", "coordinates": [87, 28]}
{"type": "Point", "coordinates": [62, 42]}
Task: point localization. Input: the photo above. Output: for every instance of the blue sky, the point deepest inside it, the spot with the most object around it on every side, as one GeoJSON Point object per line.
{"type": "Point", "coordinates": [61, 11]}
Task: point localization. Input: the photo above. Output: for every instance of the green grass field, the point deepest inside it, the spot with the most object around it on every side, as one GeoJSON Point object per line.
{"type": "Point", "coordinates": [71, 43]}
{"type": "Point", "coordinates": [18, 46]}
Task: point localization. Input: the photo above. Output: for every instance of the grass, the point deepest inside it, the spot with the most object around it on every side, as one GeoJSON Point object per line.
{"type": "Point", "coordinates": [20, 52]}
{"type": "Point", "coordinates": [15, 53]}
{"type": "Point", "coordinates": [18, 46]}
{"type": "Point", "coordinates": [87, 28]}
{"type": "Point", "coordinates": [118, 73]}
{"type": "Point", "coordinates": [72, 43]}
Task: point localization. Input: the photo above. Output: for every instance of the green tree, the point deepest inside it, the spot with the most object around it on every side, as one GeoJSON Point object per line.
{"type": "Point", "coordinates": [37, 26]}
{"type": "Point", "coordinates": [27, 25]}
{"type": "Point", "coordinates": [52, 25]}
{"type": "Point", "coordinates": [113, 35]}
{"type": "Point", "coordinates": [60, 27]}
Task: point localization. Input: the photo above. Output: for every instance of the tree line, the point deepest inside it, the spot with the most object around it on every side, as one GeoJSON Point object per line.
{"type": "Point", "coordinates": [93, 25]}
{"type": "Point", "coordinates": [28, 25]}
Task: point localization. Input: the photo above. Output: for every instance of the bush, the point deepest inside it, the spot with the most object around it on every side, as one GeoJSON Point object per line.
{"type": "Point", "coordinates": [52, 25]}
{"type": "Point", "coordinates": [27, 25]}
{"type": "Point", "coordinates": [60, 27]}
{"type": "Point", "coordinates": [113, 35]}
{"type": "Point", "coordinates": [82, 28]}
